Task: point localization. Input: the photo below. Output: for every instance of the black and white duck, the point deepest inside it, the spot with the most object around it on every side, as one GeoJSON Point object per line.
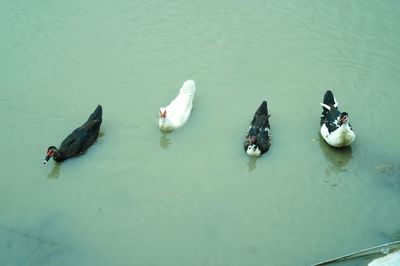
{"type": "Point", "coordinates": [79, 140]}
{"type": "Point", "coordinates": [258, 138]}
{"type": "Point", "coordinates": [335, 127]}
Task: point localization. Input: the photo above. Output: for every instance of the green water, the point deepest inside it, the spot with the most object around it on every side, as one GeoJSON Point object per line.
{"type": "Point", "coordinates": [193, 197]}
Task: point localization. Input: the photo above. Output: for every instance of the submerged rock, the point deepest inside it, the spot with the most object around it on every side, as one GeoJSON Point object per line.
{"type": "Point", "coordinates": [390, 173]}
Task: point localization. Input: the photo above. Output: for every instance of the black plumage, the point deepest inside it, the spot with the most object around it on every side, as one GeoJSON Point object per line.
{"type": "Point", "coordinates": [331, 117]}
{"type": "Point", "coordinates": [79, 140]}
{"type": "Point", "coordinates": [258, 138]}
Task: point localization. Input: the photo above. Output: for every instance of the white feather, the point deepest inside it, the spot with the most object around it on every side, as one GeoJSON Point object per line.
{"type": "Point", "coordinates": [341, 137]}
{"type": "Point", "coordinates": [178, 111]}
{"type": "Point", "coordinates": [253, 150]}
{"type": "Point", "coordinates": [326, 106]}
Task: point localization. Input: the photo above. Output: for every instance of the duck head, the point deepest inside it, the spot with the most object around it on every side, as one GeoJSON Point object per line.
{"type": "Point", "coordinates": [51, 151]}
{"type": "Point", "coordinates": [253, 150]}
{"type": "Point", "coordinates": [163, 113]}
{"type": "Point", "coordinates": [343, 118]}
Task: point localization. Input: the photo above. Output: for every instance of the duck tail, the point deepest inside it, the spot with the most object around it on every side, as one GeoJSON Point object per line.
{"type": "Point", "coordinates": [97, 114]}
{"type": "Point", "coordinates": [262, 112]}
{"type": "Point", "coordinates": [188, 87]}
{"type": "Point", "coordinates": [329, 99]}
{"type": "Point", "coordinates": [263, 109]}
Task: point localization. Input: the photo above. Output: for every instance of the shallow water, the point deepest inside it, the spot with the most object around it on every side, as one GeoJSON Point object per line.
{"type": "Point", "coordinates": [193, 197]}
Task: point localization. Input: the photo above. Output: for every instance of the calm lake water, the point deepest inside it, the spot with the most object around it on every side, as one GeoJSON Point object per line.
{"type": "Point", "coordinates": [193, 197]}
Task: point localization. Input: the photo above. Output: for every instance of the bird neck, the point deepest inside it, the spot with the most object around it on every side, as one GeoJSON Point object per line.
{"type": "Point", "coordinates": [57, 154]}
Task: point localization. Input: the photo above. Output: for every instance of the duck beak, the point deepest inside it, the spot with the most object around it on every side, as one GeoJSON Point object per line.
{"type": "Point", "coordinates": [46, 159]}
{"type": "Point", "coordinates": [342, 119]}
{"type": "Point", "coordinates": [163, 113]}
{"type": "Point", "coordinates": [48, 156]}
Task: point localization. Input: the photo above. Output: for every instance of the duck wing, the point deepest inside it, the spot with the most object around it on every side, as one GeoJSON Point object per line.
{"type": "Point", "coordinates": [263, 135]}
{"type": "Point", "coordinates": [259, 131]}
{"type": "Point", "coordinates": [83, 137]}
{"type": "Point", "coordinates": [329, 118]}
{"type": "Point", "coordinates": [330, 112]}
{"type": "Point", "coordinates": [179, 109]}
{"type": "Point", "coordinates": [80, 139]}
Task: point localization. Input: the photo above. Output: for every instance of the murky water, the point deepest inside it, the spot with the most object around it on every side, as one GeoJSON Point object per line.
{"type": "Point", "coordinates": [193, 197]}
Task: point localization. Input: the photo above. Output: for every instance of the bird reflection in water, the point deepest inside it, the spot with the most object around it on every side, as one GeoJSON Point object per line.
{"type": "Point", "coordinates": [165, 141]}
{"type": "Point", "coordinates": [337, 159]}
{"type": "Point", "coordinates": [55, 172]}
{"type": "Point", "coordinates": [252, 163]}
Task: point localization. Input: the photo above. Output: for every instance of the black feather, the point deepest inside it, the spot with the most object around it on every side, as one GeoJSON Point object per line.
{"type": "Point", "coordinates": [259, 132]}
{"type": "Point", "coordinates": [81, 138]}
{"type": "Point", "coordinates": [330, 117]}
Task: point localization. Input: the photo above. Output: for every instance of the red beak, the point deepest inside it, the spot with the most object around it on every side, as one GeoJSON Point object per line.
{"type": "Point", "coordinates": [342, 119]}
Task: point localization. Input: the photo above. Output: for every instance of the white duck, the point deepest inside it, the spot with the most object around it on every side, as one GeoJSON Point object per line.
{"type": "Point", "coordinates": [335, 127]}
{"type": "Point", "coordinates": [178, 111]}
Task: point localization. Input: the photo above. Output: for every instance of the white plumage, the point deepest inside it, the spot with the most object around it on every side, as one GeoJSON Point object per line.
{"type": "Point", "coordinates": [178, 111]}
{"type": "Point", "coordinates": [335, 127]}
{"type": "Point", "coordinates": [341, 137]}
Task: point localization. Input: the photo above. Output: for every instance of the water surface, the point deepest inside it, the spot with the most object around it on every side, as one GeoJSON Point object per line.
{"type": "Point", "coordinates": [193, 197]}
